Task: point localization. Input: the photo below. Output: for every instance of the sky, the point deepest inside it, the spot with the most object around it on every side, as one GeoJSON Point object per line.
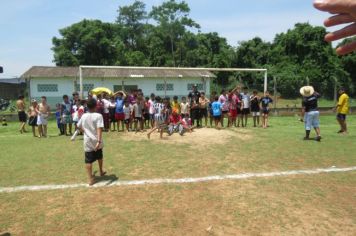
{"type": "Point", "coordinates": [27, 26]}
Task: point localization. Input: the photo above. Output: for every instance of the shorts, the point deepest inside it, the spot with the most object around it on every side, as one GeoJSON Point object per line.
{"type": "Point", "coordinates": [112, 117]}
{"type": "Point", "coordinates": [217, 118]}
{"type": "Point", "coordinates": [195, 114]}
{"type": "Point", "coordinates": [341, 117]}
{"type": "Point", "coordinates": [67, 119]}
{"type": "Point", "coordinates": [22, 116]}
{"type": "Point", "coordinates": [245, 111]}
{"type": "Point", "coordinates": [233, 113]}
{"type": "Point", "coordinates": [137, 119]}
{"type": "Point", "coordinates": [119, 116]}
{"type": "Point", "coordinates": [152, 116]}
{"type": "Point", "coordinates": [265, 111]}
{"type": "Point", "coordinates": [32, 121]}
{"type": "Point", "coordinates": [225, 112]}
{"type": "Point", "coordinates": [311, 119]}
{"type": "Point", "coordinates": [93, 156]}
{"type": "Point", "coordinates": [146, 116]}
{"type": "Point", "coordinates": [127, 121]}
{"type": "Point", "coordinates": [203, 112]}
{"type": "Point", "coordinates": [255, 113]}
{"type": "Point", "coordinates": [42, 120]}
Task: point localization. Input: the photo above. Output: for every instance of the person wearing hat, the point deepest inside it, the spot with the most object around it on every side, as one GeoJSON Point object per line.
{"type": "Point", "coordinates": [310, 111]}
{"type": "Point", "coordinates": [194, 105]}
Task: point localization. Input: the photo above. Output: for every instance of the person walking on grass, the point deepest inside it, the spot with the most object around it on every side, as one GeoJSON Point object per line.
{"type": "Point", "coordinates": [310, 111]}
{"type": "Point", "coordinates": [342, 109]}
{"type": "Point", "coordinates": [92, 124]}
{"type": "Point", "coordinates": [265, 101]}
{"type": "Point", "coordinates": [43, 111]}
{"type": "Point", "coordinates": [20, 104]}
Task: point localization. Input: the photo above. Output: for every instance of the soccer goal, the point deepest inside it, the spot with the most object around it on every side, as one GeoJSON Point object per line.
{"type": "Point", "coordinates": [83, 67]}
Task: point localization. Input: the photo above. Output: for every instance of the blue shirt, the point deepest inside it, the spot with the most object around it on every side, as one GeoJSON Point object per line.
{"type": "Point", "coordinates": [216, 106]}
{"type": "Point", "coordinates": [119, 105]}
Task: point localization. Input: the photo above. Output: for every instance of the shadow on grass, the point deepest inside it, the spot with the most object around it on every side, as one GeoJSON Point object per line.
{"type": "Point", "coordinates": [106, 178]}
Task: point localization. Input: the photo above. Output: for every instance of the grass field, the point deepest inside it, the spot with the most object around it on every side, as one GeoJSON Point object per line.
{"type": "Point", "coordinates": [292, 205]}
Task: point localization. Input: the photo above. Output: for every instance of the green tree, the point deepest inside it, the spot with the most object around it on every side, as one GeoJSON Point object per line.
{"type": "Point", "coordinates": [89, 42]}
{"type": "Point", "coordinates": [173, 19]}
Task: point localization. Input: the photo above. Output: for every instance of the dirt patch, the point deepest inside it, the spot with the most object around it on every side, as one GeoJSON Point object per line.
{"type": "Point", "coordinates": [199, 137]}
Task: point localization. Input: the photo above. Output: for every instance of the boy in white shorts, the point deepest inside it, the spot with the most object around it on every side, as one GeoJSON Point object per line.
{"type": "Point", "coordinates": [43, 111]}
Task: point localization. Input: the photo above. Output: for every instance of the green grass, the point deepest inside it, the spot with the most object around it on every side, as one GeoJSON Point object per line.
{"type": "Point", "coordinates": [27, 160]}
{"type": "Point", "coordinates": [321, 204]}
{"type": "Point", "coordinates": [284, 103]}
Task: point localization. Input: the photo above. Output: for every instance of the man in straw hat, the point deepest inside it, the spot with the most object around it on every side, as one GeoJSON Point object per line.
{"type": "Point", "coordinates": [310, 111]}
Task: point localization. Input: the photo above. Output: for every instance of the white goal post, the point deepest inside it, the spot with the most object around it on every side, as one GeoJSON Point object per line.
{"type": "Point", "coordinates": [169, 68]}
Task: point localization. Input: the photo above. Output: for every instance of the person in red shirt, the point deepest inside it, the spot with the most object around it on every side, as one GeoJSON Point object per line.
{"type": "Point", "coordinates": [175, 124]}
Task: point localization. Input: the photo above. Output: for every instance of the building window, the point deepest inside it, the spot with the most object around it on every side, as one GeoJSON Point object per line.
{"type": "Point", "coordinates": [86, 87]}
{"type": "Point", "coordinates": [160, 87]}
{"type": "Point", "coordinates": [200, 87]}
{"type": "Point", "coordinates": [45, 88]}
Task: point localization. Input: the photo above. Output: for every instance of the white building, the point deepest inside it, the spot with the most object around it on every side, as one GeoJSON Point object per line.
{"type": "Point", "coordinates": [54, 82]}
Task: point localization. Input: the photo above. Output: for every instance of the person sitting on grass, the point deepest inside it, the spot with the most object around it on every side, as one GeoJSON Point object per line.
{"type": "Point", "coordinates": [175, 124]}
{"type": "Point", "coordinates": [217, 111]}
{"type": "Point", "coordinates": [92, 124]}
{"type": "Point", "coordinates": [187, 123]}
{"type": "Point", "coordinates": [265, 101]}
{"type": "Point", "coordinates": [310, 111]}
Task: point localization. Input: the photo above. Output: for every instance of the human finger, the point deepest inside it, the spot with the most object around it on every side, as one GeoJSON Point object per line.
{"type": "Point", "coordinates": [338, 19]}
{"type": "Point", "coordinates": [339, 6]}
{"type": "Point", "coordinates": [347, 48]}
{"type": "Point", "coordinates": [342, 33]}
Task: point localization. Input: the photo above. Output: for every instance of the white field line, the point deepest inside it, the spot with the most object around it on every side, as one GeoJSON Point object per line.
{"type": "Point", "coordinates": [175, 181]}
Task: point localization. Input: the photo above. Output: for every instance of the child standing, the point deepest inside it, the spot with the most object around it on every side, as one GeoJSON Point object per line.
{"type": "Point", "coordinates": [59, 119]}
{"type": "Point", "coordinates": [159, 117]}
{"type": "Point", "coordinates": [175, 105]}
{"type": "Point", "coordinates": [217, 111]}
{"type": "Point", "coordinates": [119, 111]}
{"type": "Point", "coordinates": [66, 112]}
{"type": "Point", "coordinates": [184, 107]}
{"type": "Point", "coordinates": [265, 101]}
{"type": "Point", "coordinates": [112, 108]}
{"type": "Point", "coordinates": [43, 111]}
{"type": "Point", "coordinates": [146, 113]}
{"type": "Point", "coordinates": [203, 104]}
{"type": "Point", "coordinates": [127, 109]}
{"type": "Point", "coordinates": [32, 114]}
{"type": "Point", "coordinates": [255, 108]}
{"type": "Point", "coordinates": [151, 109]}
{"type": "Point", "coordinates": [92, 125]}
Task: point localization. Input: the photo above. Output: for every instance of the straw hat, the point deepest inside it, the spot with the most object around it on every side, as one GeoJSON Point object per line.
{"type": "Point", "coordinates": [306, 91]}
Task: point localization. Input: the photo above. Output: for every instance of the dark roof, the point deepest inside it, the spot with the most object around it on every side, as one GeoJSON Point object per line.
{"type": "Point", "coordinates": [56, 72]}
{"type": "Point", "coordinates": [12, 81]}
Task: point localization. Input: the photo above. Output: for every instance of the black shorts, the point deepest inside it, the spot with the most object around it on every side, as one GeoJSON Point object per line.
{"type": "Point", "coordinates": [22, 116]}
{"type": "Point", "coordinates": [127, 121]}
{"type": "Point", "coordinates": [245, 111]}
{"type": "Point", "coordinates": [265, 111]}
{"type": "Point", "coordinates": [218, 118]}
{"type": "Point", "coordinates": [32, 121]}
{"type": "Point", "coordinates": [341, 116]}
{"type": "Point", "coordinates": [203, 112]}
{"type": "Point", "coordinates": [146, 116]}
{"type": "Point", "coordinates": [195, 114]}
{"type": "Point", "coordinates": [93, 156]}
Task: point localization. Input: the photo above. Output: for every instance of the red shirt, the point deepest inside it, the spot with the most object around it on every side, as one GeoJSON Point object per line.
{"type": "Point", "coordinates": [174, 119]}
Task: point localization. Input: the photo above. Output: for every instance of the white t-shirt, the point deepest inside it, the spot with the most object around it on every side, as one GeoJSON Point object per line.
{"type": "Point", "coordinates": [184, 108]}
{"type": "Point", "coordinates": [90, 122]}
{"type": "Point", "coordinates": [151, 109]}
{"type": "Point", "coordinates": [246, 100]}
{"type": "Point", "coordinates": [106, 105]}
{"type": "Point", "coordinates": [137, 107]}
{"type": "Point", "coordinates": [127, 111]}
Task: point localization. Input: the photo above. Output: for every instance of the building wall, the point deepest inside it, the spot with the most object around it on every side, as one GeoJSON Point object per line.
{"type": "Point", "coordinates": [12, 91]}
{"type": "Point", "coordinates": [148, 85]}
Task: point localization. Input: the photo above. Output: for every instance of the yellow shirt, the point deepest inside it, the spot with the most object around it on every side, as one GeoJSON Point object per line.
{"type": "Point", "coordinates": [343, 104]}
{"type": "Point", "coordinates": [175, 107]}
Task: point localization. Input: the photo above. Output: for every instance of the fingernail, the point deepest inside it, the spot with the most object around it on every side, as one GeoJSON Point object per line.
{"type": "Point", "coordinates": [319, 1]}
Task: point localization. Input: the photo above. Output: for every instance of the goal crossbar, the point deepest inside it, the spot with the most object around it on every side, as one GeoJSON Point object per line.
{"type": "Point", "coordinates": [171, 68]}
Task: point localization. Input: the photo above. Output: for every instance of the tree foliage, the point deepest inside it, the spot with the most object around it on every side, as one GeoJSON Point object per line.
{"type": "Point", "coordinates": [167, 36]}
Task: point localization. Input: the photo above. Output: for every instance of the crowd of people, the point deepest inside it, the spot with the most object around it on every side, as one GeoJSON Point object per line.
{"type": "Point", "coordinates": [135, 112]}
